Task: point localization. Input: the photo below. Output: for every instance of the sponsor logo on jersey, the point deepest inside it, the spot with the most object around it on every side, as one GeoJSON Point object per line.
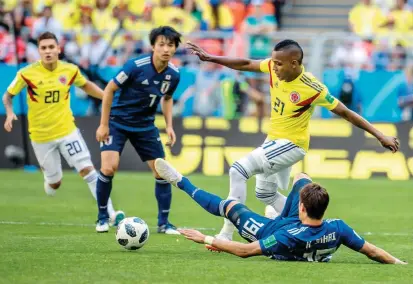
{"type": "Point", "coordinates": [145, 82]}
{"type": "Point", "coordinates": [329, 98]}
{"type": "Point", "coordinates": [270, 241]}
{"type": "Point", "coordinates": [168, 77]}
{"type": "Point", "coordinates": [294, 97]}
{"type": "Point", "coordinates": [63, 80]}
{"type": "Point", "coordinates": [121, 77]}
{"type": "Point", "coordinates": [165, 86]}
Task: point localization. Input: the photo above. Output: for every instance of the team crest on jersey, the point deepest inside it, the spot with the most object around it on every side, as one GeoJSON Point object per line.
{"type": "Point", "coordinates": [294, 97]}
{"type": "Point", "coordinates": [63, 80]}
{"type": "Point", "coordinates": [165, 87]}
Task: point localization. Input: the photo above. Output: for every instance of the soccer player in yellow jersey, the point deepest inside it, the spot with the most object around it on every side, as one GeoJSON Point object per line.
{"type": "Point", "coordinates": [51, 122]}
{"type": "Point", "coordinates": [294, 95]}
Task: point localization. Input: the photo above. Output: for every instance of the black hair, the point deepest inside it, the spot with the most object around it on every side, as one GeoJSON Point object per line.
{"type": "Point", "coordinates": [47, 35]}
{"type": "Point", "coordinates": [289, 43]}
{"type": "Point", "coordinates": [166, 31]}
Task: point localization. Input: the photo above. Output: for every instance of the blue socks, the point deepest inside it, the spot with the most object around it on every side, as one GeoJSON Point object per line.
{"type": "Point", "coordinates": [163, 193]}
{"type": "Point", "coordinates": [103, 189]}
{"type": "Point", "coordinates": [210, 202]}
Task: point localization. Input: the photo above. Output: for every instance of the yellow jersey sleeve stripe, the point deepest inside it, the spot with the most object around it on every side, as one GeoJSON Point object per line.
{"type": "Point", "coordinates": [311, 84]}
{"type": "Point", "coordinates": [265, 66]}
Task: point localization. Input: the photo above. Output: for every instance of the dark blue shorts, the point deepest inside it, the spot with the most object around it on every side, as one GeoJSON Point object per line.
{"type": "Point", "coordinates": [147, 143]}
{"type": "Point", "coordinates": [252, 226]}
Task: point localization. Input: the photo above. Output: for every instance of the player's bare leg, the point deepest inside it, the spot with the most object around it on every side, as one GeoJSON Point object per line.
{"type": "Point", "coordinates": [109, 166]}
{"type": "Point", "coordinates": [90, 176]}
{"type": "Point", "coordinates": [163, 193]}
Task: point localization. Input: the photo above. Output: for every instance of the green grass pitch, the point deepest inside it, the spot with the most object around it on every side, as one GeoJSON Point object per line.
{"type": "Point", "coordinates": [52, 240]}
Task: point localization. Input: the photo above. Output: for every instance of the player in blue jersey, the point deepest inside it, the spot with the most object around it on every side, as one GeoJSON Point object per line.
{"type": "Point", "coordinates": [298, 234]}
{"type": "Point", "coordinates": [128, 113]}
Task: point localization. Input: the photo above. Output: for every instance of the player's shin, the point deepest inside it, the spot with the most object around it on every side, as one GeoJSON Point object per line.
{"type": "Point", "coordinates": [210, 202]}
{"type": "Point", "coordinates": [163, 193]}
{"type": "Point", "coordinates": [91, 179]}
{"type": "Point", "coordinates": [103, 189]}
{"type": "Point", "coordinates": [267, 193]}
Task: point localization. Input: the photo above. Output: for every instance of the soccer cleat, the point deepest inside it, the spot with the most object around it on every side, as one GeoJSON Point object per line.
{"type": "Point", "coordinates": [270, 212]}
{"type": "Point", "coordinates": [220, 236]}
{"type": "Point", "coordinates": [116, 218]}
{"type": "Point", "coordinates": [102, 226]}
{"type": "Point", "coordinates": [167, 172]}
{"type": "Point", "coordinates": [168, 229]}
{"type": "Point", "coordinates": [49, 191]}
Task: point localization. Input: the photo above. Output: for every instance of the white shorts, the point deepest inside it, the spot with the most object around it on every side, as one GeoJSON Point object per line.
{"type": "Point", "coordinates": [272, 162]}
{"type": "Point", "coordinates": [72, 147]}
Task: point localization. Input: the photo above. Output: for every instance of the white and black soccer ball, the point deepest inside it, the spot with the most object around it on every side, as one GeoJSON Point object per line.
{"type": "Point", "coordinates": [132, 233]}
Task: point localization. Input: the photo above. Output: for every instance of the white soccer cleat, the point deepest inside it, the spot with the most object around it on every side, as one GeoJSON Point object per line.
{"type": "Point", "coordinates": [116, 218]}
{"type": "Point", "coordinates": [168, 229]}
{"type": "Point", "coordinates": [102, 226]}
{"type": "Point", "coordinates": [167, 172]}
{"type": "Point", "coordinates": [270, 212]}
{"type": "Point", "coordinates": [49, 190]}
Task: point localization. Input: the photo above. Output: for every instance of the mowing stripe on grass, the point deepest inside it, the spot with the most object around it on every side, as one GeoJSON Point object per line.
{"type": "Point", "coordinates": [4, 222]}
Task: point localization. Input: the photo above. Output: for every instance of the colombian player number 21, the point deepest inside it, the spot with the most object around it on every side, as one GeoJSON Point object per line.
{"type": "Point", "coordinates": [279, 104]}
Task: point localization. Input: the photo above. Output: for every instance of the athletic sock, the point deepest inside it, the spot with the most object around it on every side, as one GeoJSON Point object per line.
{"type": "Point", "coordinates": [163, 193]}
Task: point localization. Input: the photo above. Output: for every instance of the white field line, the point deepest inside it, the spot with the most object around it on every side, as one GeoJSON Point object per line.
{"type": "Point", "coordinates": [4, 222]}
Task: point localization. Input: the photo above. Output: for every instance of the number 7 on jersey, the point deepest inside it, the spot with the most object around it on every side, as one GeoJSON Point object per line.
{"type": "Point", "coordinates": [153, 98]}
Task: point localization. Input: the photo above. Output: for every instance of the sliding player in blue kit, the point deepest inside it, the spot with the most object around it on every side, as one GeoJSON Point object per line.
{"type": "Point", "coordinates": [129, 114]}
{"type": "Point", "coordinates": [298, 234]}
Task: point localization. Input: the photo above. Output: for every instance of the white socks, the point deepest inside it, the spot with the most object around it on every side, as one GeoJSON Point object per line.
{"type": "Point", "coordinates": [91, 180]}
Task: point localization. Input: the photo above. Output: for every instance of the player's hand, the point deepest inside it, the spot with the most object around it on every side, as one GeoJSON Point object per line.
{"type": "Point", "coordinates": [193, 235]}
{"type": "Point", "coordinates": [195, 49]}
{"type": "Point", "coordinates": [8, 124]}
{"type": "Point", "coordinates": [391, 143]}
{"type": "Point", "coordinates": [102, 134]}
{"type": "Point", "coordinates": [171, 136]}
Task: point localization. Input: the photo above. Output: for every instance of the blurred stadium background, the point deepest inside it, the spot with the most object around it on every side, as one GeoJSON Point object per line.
{"type": "Point", "coordinates": [362, 50]}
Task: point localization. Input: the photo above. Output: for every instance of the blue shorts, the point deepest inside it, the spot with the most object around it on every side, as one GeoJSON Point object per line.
{"type": "Point", "coordinates": [252, 226]}
{"type": "Point", "coordinates": [147, 143]}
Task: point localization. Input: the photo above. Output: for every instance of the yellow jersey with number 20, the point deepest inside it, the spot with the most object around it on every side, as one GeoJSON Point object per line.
{"type": "Point", "coordinates": [49, 113]}
{"type": "Point", "coordinates": [293, 103]}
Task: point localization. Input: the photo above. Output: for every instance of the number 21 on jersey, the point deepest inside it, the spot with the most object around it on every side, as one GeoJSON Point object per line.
{"type": "Point", "coordinates": [279, 106]}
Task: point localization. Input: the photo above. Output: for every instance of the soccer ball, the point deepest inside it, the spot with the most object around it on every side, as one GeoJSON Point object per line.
{"type": "Point", "coordinates": [132, 233]}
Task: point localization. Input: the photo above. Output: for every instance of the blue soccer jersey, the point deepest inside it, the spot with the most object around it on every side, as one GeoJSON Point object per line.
{"type": "Point", "coordinates": [296, 241]}
{"type": "Point", "coordinates": [141, 89]}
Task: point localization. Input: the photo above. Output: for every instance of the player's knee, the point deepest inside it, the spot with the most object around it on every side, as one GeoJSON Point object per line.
{"type": "Point", "coordinates": [238, 172]}
{"type": "Point", "coordinates": [55, 185]}
{"type": "Point", "coordinates": [85, 171]}
{"type": "Point", "coordinates": [229, 206]}
{"type": "Point", "coordinates": [299, 176]}
{"type": "Point", "coordinates": [109, 170]}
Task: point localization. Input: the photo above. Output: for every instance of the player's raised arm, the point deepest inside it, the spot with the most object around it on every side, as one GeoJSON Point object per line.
{"type": "Point", "coordinates": [235, 248]}
{"type": "Point", "coordinates": [389, 142]}
{"type": "Point", "coordinates": [379, 255]}
{"type": "Point", "coordinates": [242, 64]}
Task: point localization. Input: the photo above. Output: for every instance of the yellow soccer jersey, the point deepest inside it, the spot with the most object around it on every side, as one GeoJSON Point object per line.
{"type": "Point", "coordinates": [49, 113]}
{"type": "Point", "coordinates": [293, 103]}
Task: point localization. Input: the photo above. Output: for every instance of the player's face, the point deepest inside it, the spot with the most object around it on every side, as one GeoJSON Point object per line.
{"type": "Point", "coordinates": [49, 51]}
{"type": "Point", "coordinates": [284, 65]}
{"type": "Point", "coordinates": [163, 49]}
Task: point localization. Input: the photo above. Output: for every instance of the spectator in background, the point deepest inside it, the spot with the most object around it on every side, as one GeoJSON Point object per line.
{"type": "Point", "coordinates": [385, 5]}
{"type": "Point", "coordinates": [405, 99]}
{"type": "Point", "coordinates": [47, 23]}
{"type": "Point", "coordinates": [278, 4]}
{"type": "Point", "coordinates": [401, 22]}
{"type": "Point", "coordinates": [398, 58]}
{"type": "Point", "coordinates": [365, 18]}
{"type": "Point", "coordinates": [140, 29]}
{"type": "Point", "coordinates": [259, 25]}
{"type": "Point", "coordinates": [167, 15]}
{"type": "Point", "coordinates": [6, 44]}
{"type": "Point", "coordinates": [381, 56]}
{"type": "Point", "coordinates": [66, 12]}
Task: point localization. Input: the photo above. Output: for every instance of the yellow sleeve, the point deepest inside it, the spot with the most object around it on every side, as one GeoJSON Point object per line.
{"type": "Point", "coordinates": [80, 80]}
{"type": "Point", "coordinates": [325, 99]}
{"type": "Point", "coordinates": [265, 65]}
{"type": "Point", "coordinates": [16, 85]}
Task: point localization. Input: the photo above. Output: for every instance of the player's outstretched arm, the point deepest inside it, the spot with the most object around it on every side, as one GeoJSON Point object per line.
{"type": "Point", "coordinates": [102, 133]}
{"type": "Point", "coordinates": [8, 105]}
{"type": "Point", "coordinates": [242, 64]}
{"type": "Point", "coordinates": [93, 90]}
{"type": "Point", "coordinates": [379, 255]}
{"type": "Point", "coordinates": [389, 142]}
{"type": "Point", "coordinates": [235, 248]}
{"type": "Point", "coordinates": [167, 105]}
